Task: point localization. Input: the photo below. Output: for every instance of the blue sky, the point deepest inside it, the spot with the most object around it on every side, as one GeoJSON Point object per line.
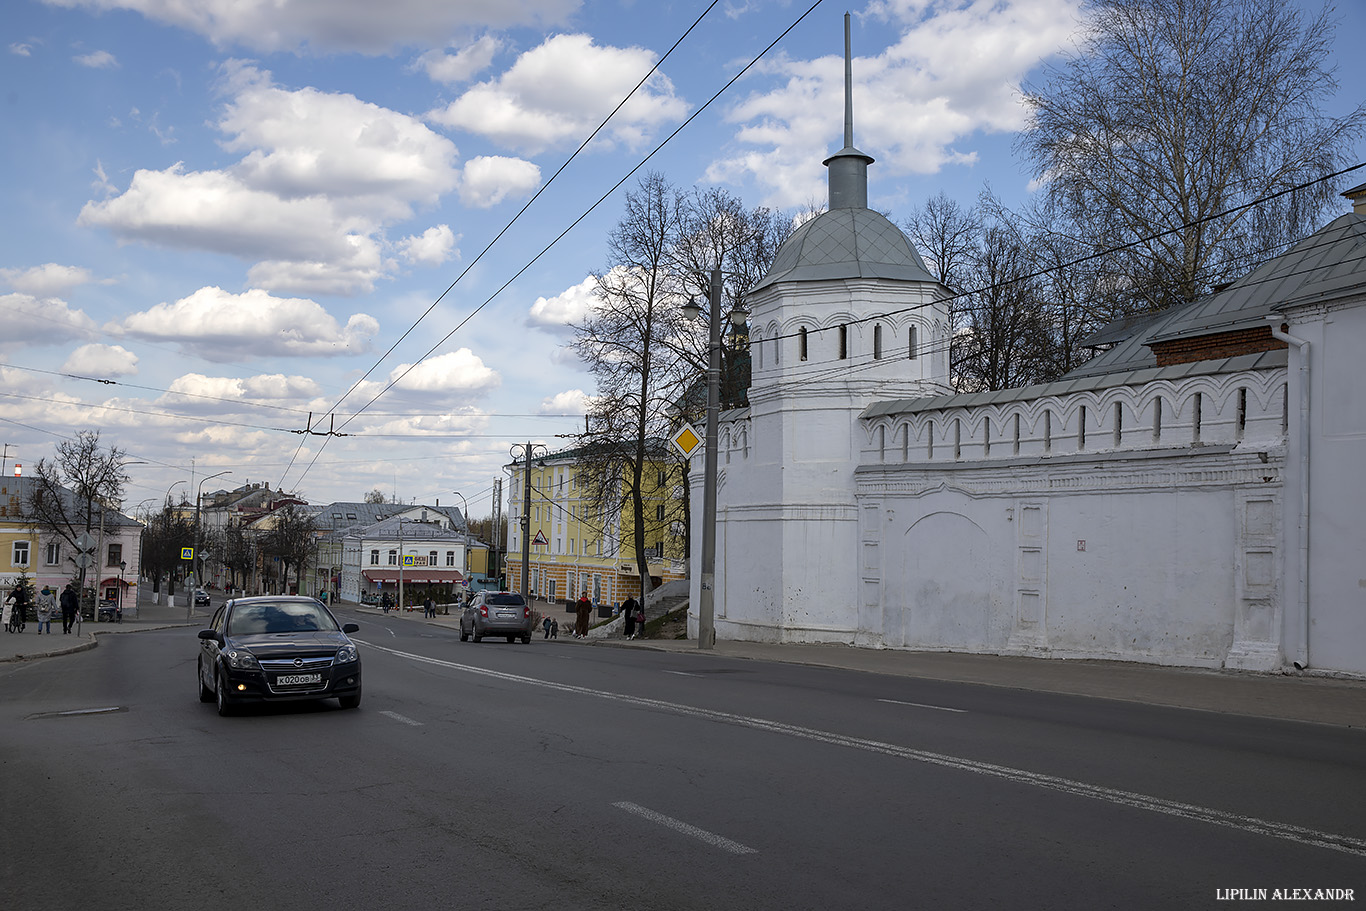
{"type": "Point", "coordinates": [232, 209]}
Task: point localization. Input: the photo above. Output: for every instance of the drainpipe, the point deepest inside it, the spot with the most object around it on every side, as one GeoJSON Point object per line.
{"type": "Point", "coordinates": [1278, 331]}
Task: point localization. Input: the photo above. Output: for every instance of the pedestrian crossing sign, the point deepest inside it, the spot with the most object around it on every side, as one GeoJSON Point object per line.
{"type": "Point", "coordinates": [187, 553]}
{"type": "Point", "coordinates": [407, 559]}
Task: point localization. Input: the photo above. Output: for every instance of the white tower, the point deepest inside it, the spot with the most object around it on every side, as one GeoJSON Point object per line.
{"type": "Point", "coordinates": [847, 315]}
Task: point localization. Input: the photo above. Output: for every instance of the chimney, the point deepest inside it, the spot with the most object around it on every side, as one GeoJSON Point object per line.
{"type": "Point", "coordinates": [1358, 197]}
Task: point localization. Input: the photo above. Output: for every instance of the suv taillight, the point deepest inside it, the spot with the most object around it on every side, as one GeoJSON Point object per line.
{"type": "Point", "coordinates": [526, 613]}
{"type": "Point", "coordinates": [483, 610]}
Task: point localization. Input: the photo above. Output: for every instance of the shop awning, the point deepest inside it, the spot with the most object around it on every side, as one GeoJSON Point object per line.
{"type": "Point", "coordinates": [418, 575]}
{"type": "Point", "coordinates": [115, 579]}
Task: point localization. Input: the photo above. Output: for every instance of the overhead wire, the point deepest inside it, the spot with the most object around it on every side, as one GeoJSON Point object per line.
{"type": "Point", "coordinates": [580, 218]}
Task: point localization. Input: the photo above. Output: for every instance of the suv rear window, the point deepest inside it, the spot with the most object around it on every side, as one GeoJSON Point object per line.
{"type": "Point", "coordinates": [504, 598]}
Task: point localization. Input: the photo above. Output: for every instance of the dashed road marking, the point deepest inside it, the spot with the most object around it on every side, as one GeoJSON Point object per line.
{"type": "Point", "coordinates": [921, 705]}
{"type": "Point", "coordinates": [404, 718]}
{"type": "Point", "coordinates": [711, 838]}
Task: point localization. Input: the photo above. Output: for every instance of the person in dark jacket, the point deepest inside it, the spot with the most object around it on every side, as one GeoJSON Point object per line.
{"type": "Point", "coordinates": [628, 608]}
{"type": "Point", "coordinates": [69, 604]}
{"type": "Point", "coordinates": [583, 607]}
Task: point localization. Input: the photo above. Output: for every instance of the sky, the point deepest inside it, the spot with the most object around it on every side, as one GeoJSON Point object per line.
{"type": "Point", "coordinates": [221, 216]}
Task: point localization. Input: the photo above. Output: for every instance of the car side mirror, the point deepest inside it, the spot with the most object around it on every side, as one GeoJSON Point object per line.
{"type": "Point", "coordinates": [351, 628]}
{"type": "Point", "coordinates": [208, 634]}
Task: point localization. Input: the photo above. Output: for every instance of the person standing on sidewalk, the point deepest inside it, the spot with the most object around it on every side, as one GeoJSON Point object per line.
{"type": "Point", "coordinates": [629, 610]}
{"type": "Point", "coordinates": [47, 606]}
{"type": "Point", "coordinates": [70, 604]}
{"type": "Point", "coordinates": [583, 608]}
{"type": "Point", "coordinates": [545, 624]}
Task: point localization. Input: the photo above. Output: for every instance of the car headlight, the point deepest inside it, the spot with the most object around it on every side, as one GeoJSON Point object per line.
{"type": "Point", "coordinates": [242, 659]}
{"type": "Point", "coordinates": [345, 655]}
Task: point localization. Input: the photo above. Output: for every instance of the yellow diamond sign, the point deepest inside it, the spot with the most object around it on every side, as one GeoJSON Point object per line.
{"type": "Point", "coordinates": [686, 440]}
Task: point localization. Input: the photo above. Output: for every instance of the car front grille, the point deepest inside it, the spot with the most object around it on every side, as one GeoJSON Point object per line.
{"type": "Point", "coordinates": [310, 664]}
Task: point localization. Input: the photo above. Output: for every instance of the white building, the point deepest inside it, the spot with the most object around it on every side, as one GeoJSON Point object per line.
{"type": "Point", "coordinates": [1191, 497]}
{"type": "Point", "coordinates": [421, 547]}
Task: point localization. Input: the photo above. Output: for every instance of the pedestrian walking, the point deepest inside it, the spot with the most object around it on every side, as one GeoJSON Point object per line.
{"type": "Point", "coordinates": [47, 606]}
{"type": "Point", "coordinates": [429, 608]}
{"type": "Point", "coordinates": [582, 609]}
{"type": "Point", "coordinates": [545, 624]}
{"type": "Point", "coordinates": [629, 610]}
{"type": "Point", "coordinates": [640, 620]}
{"type": "Point", "coordinates": [554, 629]}
{"type": "Point", "coordinates": [70, 604]}
{"type": "Point", "coordinates": [18, 617]}
{"type": "Point", "coordinates": [386, 602]}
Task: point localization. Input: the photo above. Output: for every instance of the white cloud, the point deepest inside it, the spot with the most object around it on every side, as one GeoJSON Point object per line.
{"type": "Point", "coordinates": [459, 371]}
{"type": "Point", "coordinates": [21, 50]}
{"type": "Point", "coordinates": [221, 326]}
{"type": "Point", "coordinates": [489, 179]}
{"type": "Point", "coordinates": [571, 401]}
{"type": "Point", "coordinates": [98, 60]}
{"type": "Point", "coordinates": [463, 65]}
{"type": "Point", "coordinates": [31, 320]}
{"type": "Point", "coordinates": [570, 306]}
{"type": "Point", "coordinates": [560, 91]}
{"type": "Point", "coordinates": [47, 280]}
{"type": "Point", "coordinates": [322, 176]}
{"type": "Point", "coordinates": [336, 25]}
{"type": "Point", "coordinates": [955, 72]}
{"type": "Point", "coordinates": [434, 247]}
{"type": "Point", "coordinates": [197, 390]}
{"type": "Point", "coordinates": [102, 360]}
{"type": "Point", "coordinates": [302, 143]}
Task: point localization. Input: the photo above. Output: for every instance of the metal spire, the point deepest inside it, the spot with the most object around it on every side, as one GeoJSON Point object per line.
{"type": "Point", "coordinates": [848, 167]}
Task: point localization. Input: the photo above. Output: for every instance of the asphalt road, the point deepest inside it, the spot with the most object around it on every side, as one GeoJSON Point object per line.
{"type": "Point", "coordinates": [562, 777]}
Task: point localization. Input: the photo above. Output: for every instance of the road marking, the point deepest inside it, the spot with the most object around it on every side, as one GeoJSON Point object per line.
{"type": "Point", "coordinates": [404, 718]}
{"type": "Point", "coordinates": [921, 705]}
{"type": "Point", "coordinates": [683, 673]}
{"type": "Point", "coordinates": [1299, 834]}
{"type": "Point", "coordinates": [711, 838]}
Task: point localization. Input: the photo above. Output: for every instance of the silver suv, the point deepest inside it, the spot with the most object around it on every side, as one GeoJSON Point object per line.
{"type": "Point", "coordinates": [496, 614]}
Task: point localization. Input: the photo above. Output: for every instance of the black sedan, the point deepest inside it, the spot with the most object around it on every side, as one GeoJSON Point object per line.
{"type": "Point", "coordinates": [272, 648]}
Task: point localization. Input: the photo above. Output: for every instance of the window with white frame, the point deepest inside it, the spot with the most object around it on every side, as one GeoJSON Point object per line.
{"type": "Point", "coordinates": [450, 558]}
{"type": "Point", "coordinates": [115, 555]}
{"type": "Point", "coordinates": [54, 553]}
{"type": "Point", "coordinates": [393, 558]}
{"type": "Point", "coordinates": [19, 554]}
{"type": "Point", "coordinates": [374, 557]}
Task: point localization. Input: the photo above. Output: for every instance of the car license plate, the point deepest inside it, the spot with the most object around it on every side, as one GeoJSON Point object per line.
{"type": "Point", "coordinates": [507, 615]}
{"type": "Point", "coordinates": [298, 679]}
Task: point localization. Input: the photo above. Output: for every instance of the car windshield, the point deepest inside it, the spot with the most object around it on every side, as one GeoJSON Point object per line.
{"type": "Point", "coordinates": [505, 598]}
{"type": "Point", "coordinates": [279, 617]}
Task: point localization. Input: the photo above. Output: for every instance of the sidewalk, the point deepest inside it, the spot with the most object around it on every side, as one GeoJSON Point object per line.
{"type": "Point", "coordinates": [1322, 700]}
{"type": "Point", "coordinates": [30, 644]}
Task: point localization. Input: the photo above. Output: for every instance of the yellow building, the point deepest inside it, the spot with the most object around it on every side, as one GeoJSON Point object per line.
{"type": "Point", "coordinates": [578, 547]}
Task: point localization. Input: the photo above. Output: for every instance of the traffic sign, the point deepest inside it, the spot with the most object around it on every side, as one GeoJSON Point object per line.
{"type": "Point", "coordinates": [85, 561]}
{"type": "Point", "coordinates": [407, 559]}
{"type": "Point", "coordinates": [85, 542]}
{"type": "Point", "coordinates": [187, 553]}
{"type": "Point", "coordinates": [686, 440]}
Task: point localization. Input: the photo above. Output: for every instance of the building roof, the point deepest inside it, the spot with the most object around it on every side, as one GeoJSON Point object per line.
{"type": "Point", "coordinates": [1260, 361]}
{"type": "Point", "coordinates": [1329, 262]}
{"type": "Point", "coordinates": [846, 243]}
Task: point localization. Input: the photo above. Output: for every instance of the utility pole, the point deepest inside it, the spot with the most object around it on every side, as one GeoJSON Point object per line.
{"type": "Point", "coordinates": [529, 451]}
{"type": "Point", "coordinates": [706, 611]}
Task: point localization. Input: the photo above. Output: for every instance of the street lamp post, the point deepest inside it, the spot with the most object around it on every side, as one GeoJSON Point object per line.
{"type": "Point", "coordinates": [706, 609]}
{"type": "Point", "coordinates": [528, 452]}
{"type": "Point", "coordinates": [123, 564]}
{"type": "Point", "coordinates": [198, 581]}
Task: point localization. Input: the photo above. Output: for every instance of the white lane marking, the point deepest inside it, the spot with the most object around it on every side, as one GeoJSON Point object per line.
{"type": "Point", "coordinates": [1311, 837]}
{"type": "Point", "coordinates": [404, 718]}
{"type": "Point", "coordinates": [683, 673]}
{"type": "Point", "coordinates": [921, 705]}
{"type": "Point", "coordinates": [711, 838]}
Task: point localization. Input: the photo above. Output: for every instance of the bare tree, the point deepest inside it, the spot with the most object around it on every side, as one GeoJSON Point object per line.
{"type": "Point", "coordinates": [375, 497]}
{"type": "Point", "coordinates": [163, 537]}
{"type": "Point", "coordinates": [947, 235]}
{"type": "Point", "coordinates": [291, 538]}
{"type": "Point", "coordinates": [1171, 112]}
{"type": "Point", "coordinates": [638, 299]}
